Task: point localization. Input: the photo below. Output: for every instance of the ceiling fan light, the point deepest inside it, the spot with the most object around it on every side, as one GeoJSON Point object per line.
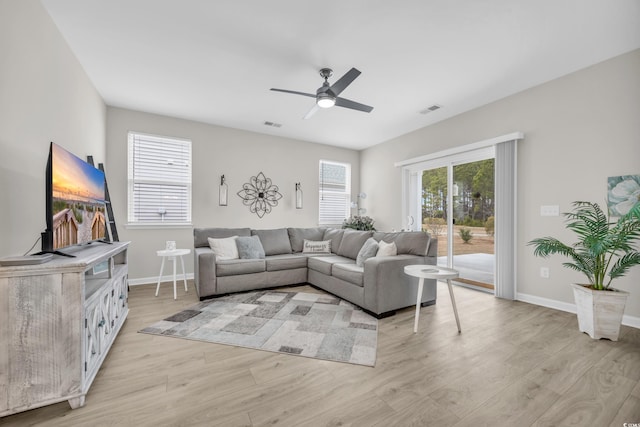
{"type": "Point", "coordinates": [325, 101]}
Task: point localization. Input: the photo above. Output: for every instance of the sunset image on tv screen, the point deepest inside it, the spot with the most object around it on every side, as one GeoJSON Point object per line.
{"type": "Point", "coordinates": [78, 200]}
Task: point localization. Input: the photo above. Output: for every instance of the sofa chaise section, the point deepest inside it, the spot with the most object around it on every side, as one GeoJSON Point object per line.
{"type": "Point", "coordinates": [380, 285]}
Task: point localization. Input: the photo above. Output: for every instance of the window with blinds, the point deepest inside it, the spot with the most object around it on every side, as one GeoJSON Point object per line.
{"type": "Point", "coordinates": [335, 192]}
{"type": "Point", "coordinates": [159, 180]}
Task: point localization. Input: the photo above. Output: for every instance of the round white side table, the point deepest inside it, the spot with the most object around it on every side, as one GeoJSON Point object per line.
{"type": "Point", "coordinates": [425, 271]}
{"type": "Point", "coordinates": [172, 255]}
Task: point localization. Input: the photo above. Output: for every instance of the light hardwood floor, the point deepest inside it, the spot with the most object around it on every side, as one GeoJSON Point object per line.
{"type": "Point", "coordinates": [514, 364]}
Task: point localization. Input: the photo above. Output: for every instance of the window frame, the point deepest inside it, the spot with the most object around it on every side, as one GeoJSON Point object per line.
{"type": "Point", "coordinates": [187, 183]}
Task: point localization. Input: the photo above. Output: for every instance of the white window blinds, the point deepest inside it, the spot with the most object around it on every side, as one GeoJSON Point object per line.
{"type": "Point", "coordinates": [335, 192]}
{"type": "Point", "coordinates": [159, 182]}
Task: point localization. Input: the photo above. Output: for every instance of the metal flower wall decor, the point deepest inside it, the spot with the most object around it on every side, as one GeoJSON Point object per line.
{"type": "Point", "coordinates": [260, 195]}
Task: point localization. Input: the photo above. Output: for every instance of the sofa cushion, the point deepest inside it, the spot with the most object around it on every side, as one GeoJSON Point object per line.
{"type": "Point", "coordinates": [335, 235]}
{"type": "Point", "coordinates": [352, 241]}
{"type": "Point", "coordinates": [249, 247]}
{"type": "Point", "coordinates": [234, 267]}
{"type": "Point", "coordinates": [285, 262]}
{"type": "Point", "coordinates": [316, 247]}
{"type": "Point", "coordinates": [224, 248]}
{"type": "Point", "coordinates": [274, 242]}
{"type": "Point", "coordinates": [350, 273]}
{"type": "Point", "coordinates": [387, 249]}
{"type": "Point", "coordinates": [201, 235]}
{"type": "Point", "coordinates": [368, 250]}
{"type": "Point", "coordinates": [298, 235]}
{"type": "Point", "coordinates": [323, 264]}
{"type": "Point", "coordinates": [407, 242]}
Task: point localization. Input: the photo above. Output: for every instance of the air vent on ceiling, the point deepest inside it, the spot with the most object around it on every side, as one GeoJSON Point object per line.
{"type": "Point", "coordinates": [431, 109]}
{"type": "Point", "coordinates": [272, 124]}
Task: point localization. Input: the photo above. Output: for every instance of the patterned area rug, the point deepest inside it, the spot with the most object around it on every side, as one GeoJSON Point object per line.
{"type": "Point", "coordinates": [313, 325]}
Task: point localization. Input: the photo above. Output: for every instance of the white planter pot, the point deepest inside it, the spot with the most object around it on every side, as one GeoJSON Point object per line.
{"type": "Point", "coordinates": [599, 312]}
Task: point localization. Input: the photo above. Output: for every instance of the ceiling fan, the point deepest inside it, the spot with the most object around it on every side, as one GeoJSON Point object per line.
{"type": "Point", "coordinates": [327, 95]}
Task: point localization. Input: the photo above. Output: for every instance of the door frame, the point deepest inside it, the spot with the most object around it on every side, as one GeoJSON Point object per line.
{"type": "Point", "coordinates": [506, 170]}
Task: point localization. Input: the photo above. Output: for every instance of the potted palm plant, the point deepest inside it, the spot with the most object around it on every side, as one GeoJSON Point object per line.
{"type": "Point", "coordinates": [605, 250]}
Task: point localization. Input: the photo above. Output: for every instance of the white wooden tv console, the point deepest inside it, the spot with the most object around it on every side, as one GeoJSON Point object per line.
{"type": "Point", "coordinates": [57, 323]}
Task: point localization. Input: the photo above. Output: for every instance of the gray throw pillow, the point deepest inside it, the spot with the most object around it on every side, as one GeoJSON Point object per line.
{"type": "Point", "coordinates": [250, 247]}
{"type": "Point", "coordinates": [369, 250]}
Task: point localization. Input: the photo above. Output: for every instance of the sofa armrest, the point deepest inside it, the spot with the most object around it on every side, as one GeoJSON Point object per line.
{"type": "Point", "coordinates": [205, 272]}
{"type": "Point", "coordinates": [387, 287]}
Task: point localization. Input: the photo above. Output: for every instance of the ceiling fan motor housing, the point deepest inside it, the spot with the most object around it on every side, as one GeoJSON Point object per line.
{"type": "Point", "coordinates": [324, 97]}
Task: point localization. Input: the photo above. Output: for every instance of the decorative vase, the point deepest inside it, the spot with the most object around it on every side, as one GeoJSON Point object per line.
{"type": "Point", "coordinates": [599, 312]}
{"type": "Point", "coordinates": [298, 196]}
{"type": "Point", "coordinates": [222, 192]}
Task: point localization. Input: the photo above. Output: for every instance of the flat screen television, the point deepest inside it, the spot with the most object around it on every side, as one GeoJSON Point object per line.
{"type": "Point", "coordinates": [75, 202]}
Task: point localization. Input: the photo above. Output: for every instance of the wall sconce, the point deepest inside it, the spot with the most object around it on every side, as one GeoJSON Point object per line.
{"type": "Point", "coordinates": [298, 196]}
{"type": "Point", "coordinates": [356, 205]}
{"type": "Point", "coordinates": [223, 190]}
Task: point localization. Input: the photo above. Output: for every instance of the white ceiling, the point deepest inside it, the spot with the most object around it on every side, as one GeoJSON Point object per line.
{"type": "Point", "coordinates": [215, 61]}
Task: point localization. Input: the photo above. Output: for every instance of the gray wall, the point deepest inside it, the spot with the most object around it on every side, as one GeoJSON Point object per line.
{"type": "Point", "coordinates": [579, 129]}
{"type": "Point", "coordinates": [216, 150]}
{"type": "Point", "coordinates": [45, 96]}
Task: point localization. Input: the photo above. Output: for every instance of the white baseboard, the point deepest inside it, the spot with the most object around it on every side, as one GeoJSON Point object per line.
{"type": "Point", "coordinates": [627, 320]}
{"type": "Point", "coordinates": [148, 280]}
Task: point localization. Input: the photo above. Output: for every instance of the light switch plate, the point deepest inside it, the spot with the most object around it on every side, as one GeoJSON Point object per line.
{"type": "Point", "coordinates": [549, 210]}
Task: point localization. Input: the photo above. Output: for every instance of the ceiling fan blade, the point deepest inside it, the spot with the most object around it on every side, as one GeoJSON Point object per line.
{"type": "Point", "coordinates": [346, 103]}
{"type": "Point", "coordinates": [311, 112]}
{"type": "Point", "coordinates": [294, 92]}
{"type": "Point", "coordinates": [344, 81]}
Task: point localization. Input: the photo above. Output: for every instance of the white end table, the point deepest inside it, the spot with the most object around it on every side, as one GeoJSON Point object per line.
{"type": "Point", "coordinates": [425, 271]}
{"type": "Point", "coordinates": [172, 255]}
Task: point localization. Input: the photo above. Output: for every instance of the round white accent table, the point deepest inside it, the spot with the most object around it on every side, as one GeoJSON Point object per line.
{"type": "Point", "coordinates": [425, 271]}
{"type": "Point", "coordinates": [172, 255]}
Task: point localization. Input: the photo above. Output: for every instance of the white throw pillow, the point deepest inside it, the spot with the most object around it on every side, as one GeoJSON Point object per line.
{"type": "Point", "coordinates": [316, 247]}
{"type": "Point", "coordinates": [387, 249]}
{"type": "Point", "coordinates": [224, 248]}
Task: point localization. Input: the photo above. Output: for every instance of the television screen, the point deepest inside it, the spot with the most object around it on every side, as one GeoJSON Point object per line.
{"type": "Point", "coordinates": [76, 205]}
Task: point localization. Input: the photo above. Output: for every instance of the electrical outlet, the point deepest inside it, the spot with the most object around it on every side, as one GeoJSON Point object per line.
{"type": "Point", "coordinates": [544, 272]}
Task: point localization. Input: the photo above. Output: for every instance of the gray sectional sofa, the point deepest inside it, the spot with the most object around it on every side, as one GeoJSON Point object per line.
{"type": "Point", "coordinates": [379, 286]}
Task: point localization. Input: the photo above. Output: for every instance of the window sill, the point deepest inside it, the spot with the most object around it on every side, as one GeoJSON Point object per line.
{"type": "Point", "coordinates": [159, 225]}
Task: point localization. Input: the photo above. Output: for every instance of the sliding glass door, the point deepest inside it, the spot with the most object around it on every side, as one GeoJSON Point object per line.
{"type": "Point", "coordinates": [457, 205]}
{"type": "Point", "coordinates": [473, 218]}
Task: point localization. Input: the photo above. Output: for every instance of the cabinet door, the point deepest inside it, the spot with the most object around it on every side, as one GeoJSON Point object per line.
{"type": "Point", "coordinates": [107, 313]}
{"type": "Point", "coordinates": [99, 327]}
{"type": "Point", "coordinates": [121, 297]}
{"type": "Point", "coordinates": [92, 330]}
